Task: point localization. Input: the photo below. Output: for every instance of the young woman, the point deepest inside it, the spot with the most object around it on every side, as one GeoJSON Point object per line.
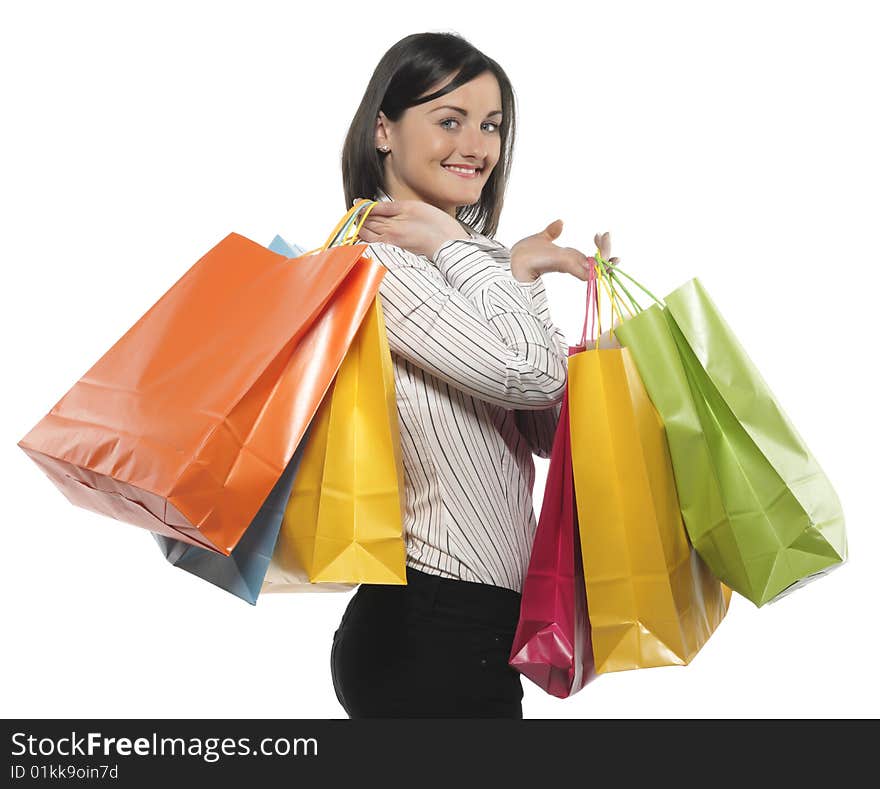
{"type": "Point", "coordinates": [480, 371]}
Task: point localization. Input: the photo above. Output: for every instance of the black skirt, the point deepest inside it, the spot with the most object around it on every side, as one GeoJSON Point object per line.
{"type": "Point", "coordinates": [433, 648]}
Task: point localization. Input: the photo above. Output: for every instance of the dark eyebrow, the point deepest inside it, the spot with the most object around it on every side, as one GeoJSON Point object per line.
{"type": "Point", "coordinates": [463, 111]}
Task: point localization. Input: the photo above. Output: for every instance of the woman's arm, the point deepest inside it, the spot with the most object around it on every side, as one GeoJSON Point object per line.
{"type": "Point", "coordinates": [537, 426]}
{"type": "Point", "coordinates": [500, 352]}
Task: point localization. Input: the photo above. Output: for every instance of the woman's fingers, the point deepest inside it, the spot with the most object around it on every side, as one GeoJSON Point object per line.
{"type": "Point", "coordinates": [376, 210]}
{"type": "Point", "coordinates": [576, 262]}
{"type": "Point", "coordinates": [578, 256]}
{"type": "Point", "coordinates": [385, 208]}
{"type": "Point", "coordinates": [553, 230]}
{"type": "Point", "coordinates": [603, 244]}
{"type": "Point", "coordinates": [377, 230]}
{"type": "Point", "coordinates": [376, 224]}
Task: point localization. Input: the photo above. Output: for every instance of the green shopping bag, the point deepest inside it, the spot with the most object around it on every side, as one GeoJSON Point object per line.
{"type": "Point", "coordinates": [757, 507]}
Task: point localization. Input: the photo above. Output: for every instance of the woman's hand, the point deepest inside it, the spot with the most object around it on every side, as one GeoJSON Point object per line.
{"type": "Point", "coordinates": [537, 254]}
{"type": "Point", "coordinates": [411, 224]}
{"type": "Point", "coordinates": [603, 244]}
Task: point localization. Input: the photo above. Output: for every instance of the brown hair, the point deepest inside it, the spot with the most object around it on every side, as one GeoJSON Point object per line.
{"type": "Point", "coordinates": [407, 70]}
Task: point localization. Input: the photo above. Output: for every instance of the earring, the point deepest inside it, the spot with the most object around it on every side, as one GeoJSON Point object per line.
{"type": "Point", "coordinates": [384, 149]}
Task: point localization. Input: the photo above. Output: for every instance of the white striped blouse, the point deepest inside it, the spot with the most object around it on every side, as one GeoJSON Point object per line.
{"type": "Point", "coordinates": [480, 371]}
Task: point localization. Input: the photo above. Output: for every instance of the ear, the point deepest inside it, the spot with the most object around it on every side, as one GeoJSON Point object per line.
{"type": "Point", "coordinates": [383, 126]}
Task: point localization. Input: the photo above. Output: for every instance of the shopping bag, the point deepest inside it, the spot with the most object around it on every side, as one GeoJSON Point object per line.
{"type": "Point", "coordinates": [242, 572]}
{"type": "Point", "coordinates": [284, 572]}
{"type": "Point", "coordinates": [343, 523]}
{"type": "Point", "coordinates": [282, 247]}
{"type": "Point", "coordinates": [551, 645]}
{"type": "Point", "coordinates": [186, 424]}
{"type": "Point", "coordinates": [652, 600]}
{"type": "Point", "coordinates": [756, 504]}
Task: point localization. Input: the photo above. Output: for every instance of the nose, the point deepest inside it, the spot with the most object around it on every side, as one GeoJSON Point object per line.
{"type": "Point", "coordinates": [473, 145]}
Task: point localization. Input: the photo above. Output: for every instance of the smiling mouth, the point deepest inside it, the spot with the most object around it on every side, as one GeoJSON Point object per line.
{"type": "Point", "coordinates": [463, 172]}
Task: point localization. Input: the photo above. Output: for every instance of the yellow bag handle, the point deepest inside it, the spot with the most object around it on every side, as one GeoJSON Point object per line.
{"type": "Point", "coordinates": [601, 263]}
{"type": "Point", "coordinates": [350, 237]}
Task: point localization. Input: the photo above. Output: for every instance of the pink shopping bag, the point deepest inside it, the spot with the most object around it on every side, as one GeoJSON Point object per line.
{"type": "Point", "coordinates": [552, 644]}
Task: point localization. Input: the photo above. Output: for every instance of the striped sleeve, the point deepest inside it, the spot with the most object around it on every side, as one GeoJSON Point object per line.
{"type": "Point", "coordinates": [508, 303]}
{"type": "Point", "coordinates": [538, 427]}
{"type": "Point", "coordinates": [501, 355]}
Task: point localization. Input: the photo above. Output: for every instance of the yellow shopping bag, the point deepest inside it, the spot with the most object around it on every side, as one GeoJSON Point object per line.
{"type": "Point", "coordinates": [343, 523]}
{"type": "Point", "coordinates": [652, 600]}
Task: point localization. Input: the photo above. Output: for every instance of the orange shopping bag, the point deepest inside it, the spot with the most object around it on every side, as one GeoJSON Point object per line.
{"type": "Point", "coordinates": [185, 425]}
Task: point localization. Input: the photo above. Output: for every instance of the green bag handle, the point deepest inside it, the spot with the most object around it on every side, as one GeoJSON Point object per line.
{"type": "Point", "coordinates": [611, 272]}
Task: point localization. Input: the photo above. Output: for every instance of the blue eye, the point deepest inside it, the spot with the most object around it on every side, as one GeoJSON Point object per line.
{"type": "Point", "coordinates": [455, 120]}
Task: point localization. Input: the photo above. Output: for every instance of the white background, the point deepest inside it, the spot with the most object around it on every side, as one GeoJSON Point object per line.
{"type": "Point", "coordinates": [735, 142]}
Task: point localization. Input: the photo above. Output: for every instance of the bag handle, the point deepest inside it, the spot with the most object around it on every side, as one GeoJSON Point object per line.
{"type": "Point", "coordinates": [344, 225]}
{"type": "Point", "coordinates": [607, 275]}
{"type": "Point", "coordinates": [613, 271]}
{"type": "Point", "coordinates": [600, 278]}
{"type": "Point", "coordinates": [348, 235]}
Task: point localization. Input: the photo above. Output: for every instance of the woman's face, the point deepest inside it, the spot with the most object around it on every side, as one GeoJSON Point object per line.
{"type": "Point", "coordinates": [429, 137]}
